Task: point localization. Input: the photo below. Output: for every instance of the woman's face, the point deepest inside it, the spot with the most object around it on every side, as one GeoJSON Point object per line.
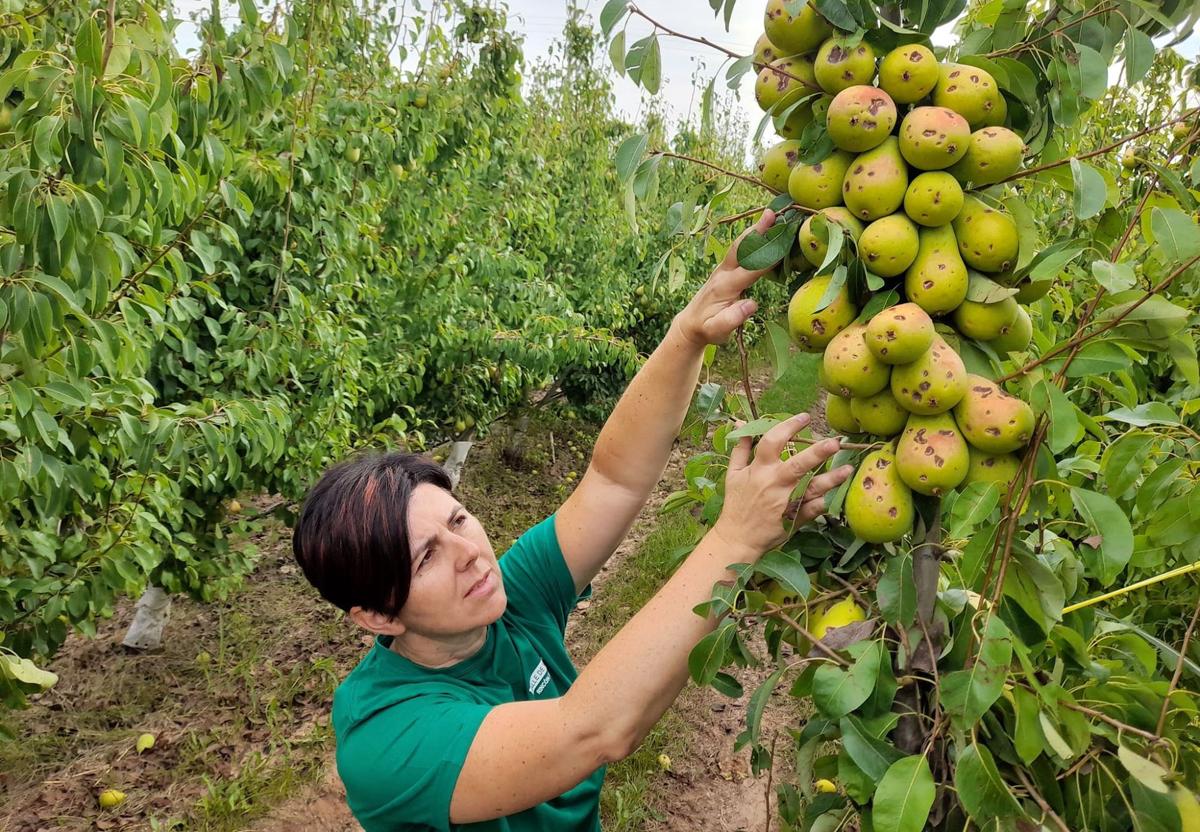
{"type": "Point", "coordinates": [451, 554]}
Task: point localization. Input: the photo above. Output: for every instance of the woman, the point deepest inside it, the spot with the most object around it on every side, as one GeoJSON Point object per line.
{"type": "Point", "coordinates": [467, 713]}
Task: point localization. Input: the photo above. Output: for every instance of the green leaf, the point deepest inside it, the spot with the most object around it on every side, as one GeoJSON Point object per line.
{"type": "Point", "coordinates": [981, 789]}
{"type": "Point", "coordinates": [1139, 54]}
{"type": "Point", "coordinates": [1050, 265]}
{"type": "Point", "coordinates": [708, 655]}
{"type": "Point", "coordinates": [837, 692]}
{"type": "Point", "coordinates": [1106, 519]}
{"type": "Point", "coordinates": [1114, 277]}
{"type": "Point", "coordinates": [612, 12]}
{"type": "Point", "coordinates": [1090, 191]}
{"type": "Point", "coordinates": [968, 694]}
{"type": "Point", "coordinates": [781, 349]}
{"type": "Point", "coordinates": [787, 570]}
{"type": "Point", "coordinates": [1027, 738]}
{"type": "Point", "coordinates": [25, 671]}
{"type": "Point", "coordinates": [1150, 413]}
{"type": "Point", "coordinates": [896, 593]}
{"type": "Point", "coordinates": [969, 507]}
{"type": "Point", "coordinates": [1149, 774]}
{"type": "Point", "coordinates": [629, 155]}
{"type": "Point", "coordinates": [650, 76]}
{"type": "Point", "coordinates": [1123, 460]}
{"type": "Point", "coordinates": [762, 251]}
{"type": "Point", "coordinates": [67, 394]}
{"type": "Point", "coordinates": [89, 48]}
{"type": "Point", "coordinates": [1065, 429]}
{"type": "Point", "coordinates": [1175, 233]}
{"type": "Point", "coordinates": [904, 797]}
{"type": "Point", "coordinates": [872, 755]}
{"type": "Point", "coordinates": [616, 50]}
{"type": "Point", "coordinates": [837, 13]}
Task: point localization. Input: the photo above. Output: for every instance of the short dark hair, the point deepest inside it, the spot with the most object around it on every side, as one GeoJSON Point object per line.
{"type": "Point", "coordinates": [351, 540]}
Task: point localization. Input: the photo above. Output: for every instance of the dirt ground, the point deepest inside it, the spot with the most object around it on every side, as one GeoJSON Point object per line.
{"type": "Point", "coordinates": [240, 694]}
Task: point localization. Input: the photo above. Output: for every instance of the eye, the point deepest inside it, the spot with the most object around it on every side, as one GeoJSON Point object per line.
{"type": "Point", "coordinates": [460, 519]}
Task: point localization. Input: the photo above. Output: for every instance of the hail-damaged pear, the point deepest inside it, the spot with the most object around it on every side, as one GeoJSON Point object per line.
{"type": "Point", "coordinates": [879, 506]}
{"type": "Point", "coordinates": [991, 419]}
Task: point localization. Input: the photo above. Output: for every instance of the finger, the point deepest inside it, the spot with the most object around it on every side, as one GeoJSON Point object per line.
{"type": "Point", "coordinates": [827, 481]}
{"type": "Point", "coordinates": [811, 458]}
{"type": "Point", "coordinates": [811, 510]}
{"type": "Point", "coordinates": [772, 442]}
{"type": "Point", "coordinates": [719, 328]}
{"type": "Point", "coordinates": [739, 456]}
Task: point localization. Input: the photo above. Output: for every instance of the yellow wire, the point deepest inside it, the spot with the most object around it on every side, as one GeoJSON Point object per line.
{"type": "Point", "coordinates": [1173, 573]}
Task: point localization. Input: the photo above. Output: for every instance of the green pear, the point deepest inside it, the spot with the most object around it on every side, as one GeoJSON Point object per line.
{"type": "Point", "coordinates": [987, 237]}
{"type": "Point", "coordinates": [937, 279]}
{"type": "Point", "coordinates": [931, 454]}
{"type": "Point", "coordinates": [795, 33]}
{"type": "Point", "coordinates": [1016, 336]}
{"type": "Point", "coordinates": [933, 199]}
{"type": "Point", "coordinates": [934, 138]}
{"type": "Point", "coordinates": [813, 247]}
{"type": "Point", "coordinates": [998, 468]}
{"type": "Point", "coordinates": [879, 415]}
{"type": "Point", "coordinates": [994, 154]}
{"type": "Point", "coordinates": [860, 118]}
{"type": "Point", "coordinates": [838, 415]}
{"type": "Point", "coordinates": [889, 245]}
{"type": "Point", "coordinates": [777, 163]}
{"type": "Point", "coordinates": [908, 73]}
{"type": "Point", "coordinates": [985, 321]}
{"type": "Point", "coordinates": [820, 185]}
{"type": "Point", "coordinates": [879, 506]}
{"type": "Point", "coordinates": [875, 182]}
{"type": "Point", "coordinates": [932, 384]}
{"type": "Point", "coordinates": [812, 330]}
{"type": "Point", "coordinates": [765, 52]}
{"type": "Point", "coordinates": [838, 67]}
{"type": "Point", "coordinates": [1028, 291]}
{"type": "Point", "coordinates": [969, 91]}
{"type": "Point", "coordinates": [851, 367]}
{"type": "Point", "coordinates": [900, 334]}
{"type": "Point", "coordinates": [991, 419]}
{"type": "Point", "coordinates": [784, 82]}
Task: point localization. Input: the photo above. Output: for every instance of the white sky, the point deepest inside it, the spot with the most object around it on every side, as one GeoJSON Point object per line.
{"type": "Point", "coordinates": [541, 21]}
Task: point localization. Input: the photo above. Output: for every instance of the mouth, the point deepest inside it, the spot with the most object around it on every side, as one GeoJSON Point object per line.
{"type": "Point", "coordinates": [482, 586]}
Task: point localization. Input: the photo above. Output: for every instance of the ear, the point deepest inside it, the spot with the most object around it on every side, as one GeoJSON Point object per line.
{"type": "Point", "coordinates": [376, 622]}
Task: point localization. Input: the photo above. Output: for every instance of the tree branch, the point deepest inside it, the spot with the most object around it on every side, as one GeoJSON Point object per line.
{"type": "Point", "coordinates": [1187, 637]}
{"type": "Point", "coordinates": [752, 180]}
{"type": "Point", "coordinates": [1021, 47]}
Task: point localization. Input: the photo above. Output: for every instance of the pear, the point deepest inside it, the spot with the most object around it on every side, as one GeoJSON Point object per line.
{"type": "Point", "coordinates": [1016, 336]}
{"type": "Point", "coordinates": [933, 138]}
{"type": "Point", "coordinates": [814, 248]}
{"type": "Point", "coordinates": [931, 454]}
{"type": "Point", "coordinates": [937, 279]}
{"type": "Point", "coordinates": [784, 82]}
{"type": "Point", "coordinates": [969, 91]}
{"type": "Point", "coordinates": [851, 367]}
{"type": "Point", "coordinates": [812, 330]}
{"type": "Point", "coordinates": [985, 321]}
{"type": "Point", "coordinates": [879, 415]}
{"type": "Point", "coordinates": [860, 118]}
{"type": "Point", "coordinates": [777, 164]}
{"type": "Point", "coordinates": [932, 384]}
{"type": "Point", "coordinates": [908, 73]}
{"type": "Point", "coordinates": [998, 468]}
{"type": "Point", "coordinates": [820, 185]}
{"type": "Point", "coordinates": [879, 506]}
{"type": "Point", "coordinates": [991, 419]}
{"type": "Point", "coordinates": [987, 236]}
{"type": "Point", "coordinates": [994, 153]}
{"type": "Point", "coordinates": [839, 67]}
{"type": "Point", "coordinates": [875, 182]}
{"type": "Point", "coordinates": [889, 245]}
{"type": "Point", "coordinates": [765, 52]}
{"type": "Point", "coordinates": [900, 334]}
{"type": "Point", "coordinates": [933, 198]}
{"type": "Point", "coordinates": [795, 33]}
{"type": "Point", "coordinates": [838, 415]}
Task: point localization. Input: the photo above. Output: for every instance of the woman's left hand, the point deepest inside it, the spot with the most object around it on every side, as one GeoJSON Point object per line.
{"type": "Point", "coordinates": [718, 308]}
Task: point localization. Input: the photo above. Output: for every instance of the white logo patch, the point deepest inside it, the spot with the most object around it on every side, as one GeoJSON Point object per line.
{"type": "Point", "coordinates": [539, 679]}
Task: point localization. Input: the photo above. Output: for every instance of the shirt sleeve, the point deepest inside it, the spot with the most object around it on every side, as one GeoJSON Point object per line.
{"type": "Point", "coordinates": [536, 578]}
{"type": "Point", "coordinates": [401, 765]}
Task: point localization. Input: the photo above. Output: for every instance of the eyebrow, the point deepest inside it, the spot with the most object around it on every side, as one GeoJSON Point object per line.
{"type": "Point", "coordinates": [420, 550]}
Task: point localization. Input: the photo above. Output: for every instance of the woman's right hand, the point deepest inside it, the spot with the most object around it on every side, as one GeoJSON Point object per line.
{"type": "Point", "coordinates": [758, 511]}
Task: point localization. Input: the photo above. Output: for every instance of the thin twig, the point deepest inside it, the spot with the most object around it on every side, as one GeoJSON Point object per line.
{"type": "Point", "coordinates": [1116, 723]}
{"type": "Point", "coordinates": [1187, 637]}
{"type": "Point", "coordinates": [741, 344]}
{"type": "Point", "coordinates": [816, 642]}
{"type": "Point", "coordinates": [770, 777]}
{"type": "Point", "coordinates": [1021, 174]}
{"type": "Point", "coordinates": [109, 30]}
{"type": "Point", "coordinates": [1020, 47]}
{"type": "Point", "coordinates": [1047, 811]}
{"type": "Point", "coordinates": [752, 180]}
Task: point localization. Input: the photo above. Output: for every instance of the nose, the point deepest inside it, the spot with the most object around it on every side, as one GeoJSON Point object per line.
{"type": "Point", "coordinates": [468, 552]}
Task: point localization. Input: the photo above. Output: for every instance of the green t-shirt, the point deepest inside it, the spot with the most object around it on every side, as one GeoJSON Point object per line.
{"type": "Point", "coordinates": [403, 730]}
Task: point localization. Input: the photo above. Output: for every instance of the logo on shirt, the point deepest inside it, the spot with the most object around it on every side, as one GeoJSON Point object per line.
{"type": "Point", "coordinates": [539, 679]}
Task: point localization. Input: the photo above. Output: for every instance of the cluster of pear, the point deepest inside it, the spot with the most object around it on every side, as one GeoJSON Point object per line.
{"type": "Point", "coordinates": [896, 184]}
